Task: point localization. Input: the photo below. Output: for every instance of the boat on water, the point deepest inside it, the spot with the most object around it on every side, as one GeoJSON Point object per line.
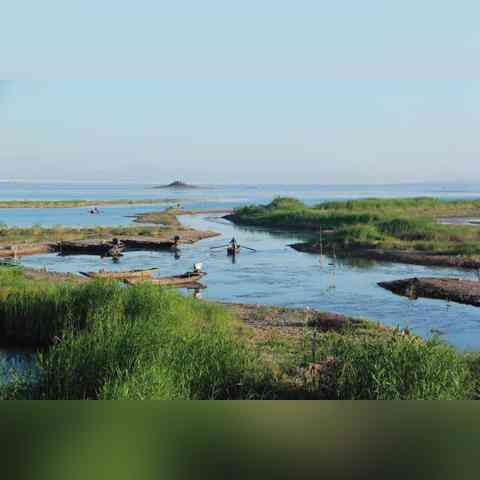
{"type": "Point", "coordinates": [139, 243]}
{"type": "Point", "coordinates": [233, 248]}
{"type": "Point", "coordinates": [84, 247]}
{"type": "Point", "coordinates": [232, 251]}
{"type": "Point", "coordinates": [121, 275]}
{"type": "Point", "coordinates": [188, 278]}
{"type": "Point", "coordinates": [115, 247]}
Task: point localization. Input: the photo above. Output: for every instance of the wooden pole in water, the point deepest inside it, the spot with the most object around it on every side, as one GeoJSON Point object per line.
{"type": "Point", "coordinates": [321, 247]}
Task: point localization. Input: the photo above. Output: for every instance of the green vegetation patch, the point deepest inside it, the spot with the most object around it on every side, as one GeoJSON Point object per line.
{"type": "Point", "coordinates": [167, 217]}
{"type": "Point", "coordinates": [37, 233]}
{"type": "Point", "coordinates": [103, 341]}
{"type": "Point", "coordinates": [100, 340]}
{"type": "Point", "coordinates": [392, 367]}
{"type": "Point", "coordinates": [404, 224]}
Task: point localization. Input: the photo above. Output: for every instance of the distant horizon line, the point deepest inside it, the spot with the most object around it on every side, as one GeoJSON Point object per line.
{"type": "Point", "coordinates": [159, 183]}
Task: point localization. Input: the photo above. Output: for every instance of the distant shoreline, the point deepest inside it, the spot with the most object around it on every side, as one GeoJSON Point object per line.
{"type": "Point", "coordinates": [80, 203]}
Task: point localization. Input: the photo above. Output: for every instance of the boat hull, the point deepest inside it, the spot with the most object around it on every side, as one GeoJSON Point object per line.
{"type": "Point", "coordinates": [121, 275]}
{"type": "Point", "coordinates": [176, 280]}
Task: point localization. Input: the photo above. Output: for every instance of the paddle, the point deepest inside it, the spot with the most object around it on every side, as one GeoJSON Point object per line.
{"type": "Point", "coordinates": [248, 248]}
{"type": "Point", "coordinates": [221, 246]}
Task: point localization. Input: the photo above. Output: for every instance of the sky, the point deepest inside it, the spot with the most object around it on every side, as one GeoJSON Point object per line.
{"type": "Point", "coordinates": [246, 92]}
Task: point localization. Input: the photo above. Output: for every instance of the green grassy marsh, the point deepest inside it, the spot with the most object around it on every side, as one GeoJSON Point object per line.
{"type": "Point", "coordinates": [403, 224]}
{"type": "Point", "coordinates": [102, 341]}
{"type": "Point", "coordinates": [99, 340]}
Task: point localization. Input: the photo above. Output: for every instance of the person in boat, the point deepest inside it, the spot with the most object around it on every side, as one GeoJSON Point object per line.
{"type": "Point", "coordinates": [117, 243]}
{"type": "Point", "coordinates": [234, 245]}
{"type": "Point", "coordinates": [116, 250]}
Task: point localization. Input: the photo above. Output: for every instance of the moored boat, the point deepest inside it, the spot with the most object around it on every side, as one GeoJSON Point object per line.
{"type": "Point", "coordinates": [121, 275]}
{"type": "Point", "coordinates": [14, 251]}
{"type": "Point", "coordinates": [175, 280]}
{"type": "Point", "coordinates": [86, 247]}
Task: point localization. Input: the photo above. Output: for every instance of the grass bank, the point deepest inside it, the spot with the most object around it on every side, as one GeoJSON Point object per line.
{"type": "Point", "coordinates": [398, 224]}
{"type": "Point", "coordinates": [35, 235]}
{"type": "Point", "coordinates": [102, 341]}
{"type": "Point", "coordinates": [168, 217]}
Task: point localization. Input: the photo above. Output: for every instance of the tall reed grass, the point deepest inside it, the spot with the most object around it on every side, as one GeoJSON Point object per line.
{"type": "Point", "coordinates": [395, 367]}
{"type": "Point", "coordinates": [106, 341]}
{"type": "Point", "coordinates": [103, 341]}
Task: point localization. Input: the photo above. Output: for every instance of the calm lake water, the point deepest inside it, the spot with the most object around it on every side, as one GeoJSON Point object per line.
{"type": "Point", "coordinates": [205, 197]}
{"type": "Point", "coordinates": [275, 274]}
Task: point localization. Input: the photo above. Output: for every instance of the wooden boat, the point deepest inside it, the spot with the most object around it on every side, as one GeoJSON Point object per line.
{"type": "Point", "coordinates": [24, 250]}
{"type": "Point", "coordinates": [121, 275]}
{"type": "Point", "coordinates": [188, 278]}
{"type": "Point", "coordinates": [85, 247]}
{"type": "Point", "coordinates": [115, 247]}
{"type": "Point", "coordinates": [149, 244]}
{"type": "Point", "coordinates": [232, 251]}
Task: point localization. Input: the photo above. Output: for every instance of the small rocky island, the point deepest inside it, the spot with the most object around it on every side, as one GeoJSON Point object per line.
{"type": "Point", "coordinates": [177, 184]}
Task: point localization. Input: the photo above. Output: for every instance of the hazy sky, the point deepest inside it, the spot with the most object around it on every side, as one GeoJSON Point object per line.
{"type": "Point", "coordinates": [241, 92]}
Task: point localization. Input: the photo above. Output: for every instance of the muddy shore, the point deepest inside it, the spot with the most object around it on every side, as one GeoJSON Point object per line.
{"type": "Point", "coordinates": [266, 320]}
{"type": "Point", "coordinates": [450, 289]}
{"type": "Point", "coordinates": [134, 243]}
{"type": "Point", "coordinates": [409, 257]}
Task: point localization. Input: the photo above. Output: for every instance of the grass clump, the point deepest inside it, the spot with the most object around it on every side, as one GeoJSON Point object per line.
{"type": "Point", "coordinates": [394, 367]}
{"type": "Point", "coordinates": [385, 204]}
{"type": "Point", "coordinates": [103, 341]}
{"type": "Point", "coordinates": [35, 313]}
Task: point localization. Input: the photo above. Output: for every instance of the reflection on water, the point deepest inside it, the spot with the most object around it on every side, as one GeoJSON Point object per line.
{"type": "Point", "coordinates": [356, 262]}
{"type": "Point", "coordinates": [14, 362]}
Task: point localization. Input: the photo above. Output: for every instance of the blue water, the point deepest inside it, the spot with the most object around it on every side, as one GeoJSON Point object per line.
{"type": "Point", "coordinates": [275, 274]}
{"type": "Point", "coordinates": [213, 196]}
